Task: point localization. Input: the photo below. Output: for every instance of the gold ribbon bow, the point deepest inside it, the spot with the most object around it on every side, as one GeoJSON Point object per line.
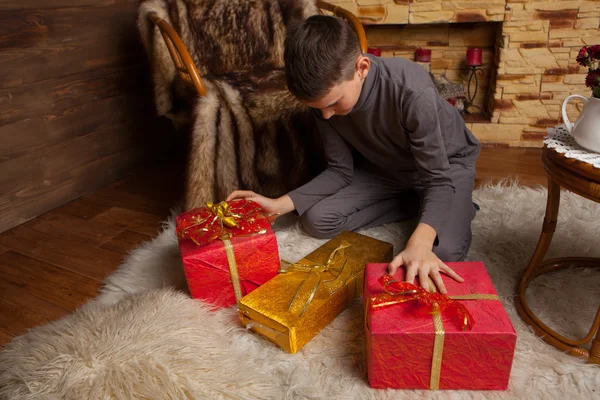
{"type": "Point", "coordinates": [336, 267]}
{"type": "Point", "coordinates": [223, 214]}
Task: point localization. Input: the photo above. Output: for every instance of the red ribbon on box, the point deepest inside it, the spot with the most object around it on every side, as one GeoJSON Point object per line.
{"type": "Point", "coordinates": [401, 292]}
{"type": "Point", "coordinates": [223, 220]}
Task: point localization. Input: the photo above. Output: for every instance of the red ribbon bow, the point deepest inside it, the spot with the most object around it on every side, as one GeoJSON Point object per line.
{"type": "Point", "coordinates": [401, 292]}
{"type": "Point", "coordinates": [222, 220]}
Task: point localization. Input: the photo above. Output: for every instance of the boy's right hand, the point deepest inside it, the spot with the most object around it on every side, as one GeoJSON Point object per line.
{"type": "Point", "coordinates": [272, 208]}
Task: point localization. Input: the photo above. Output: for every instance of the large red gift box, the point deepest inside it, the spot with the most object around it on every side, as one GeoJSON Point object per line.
{"type": "Point", "coordinates": [251, 245]}
{"type": "Point", "coordinates": [402, 339]}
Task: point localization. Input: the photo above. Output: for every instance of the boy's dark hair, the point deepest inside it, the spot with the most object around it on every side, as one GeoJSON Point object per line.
{"type": "Point", "coordinates": [320, 52]}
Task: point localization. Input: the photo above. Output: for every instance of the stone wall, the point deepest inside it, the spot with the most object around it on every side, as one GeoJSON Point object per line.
{"type": "Point", "coordinates": [534, 54]}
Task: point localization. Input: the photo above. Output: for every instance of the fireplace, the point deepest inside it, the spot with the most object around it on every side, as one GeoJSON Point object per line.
{"type": "Point", "coordinates": [529, 49]}
{"type": "Point", "coordinates": [448, 44]}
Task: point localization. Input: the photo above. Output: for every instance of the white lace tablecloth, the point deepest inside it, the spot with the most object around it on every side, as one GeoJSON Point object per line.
{"type": "Point", "coordinates": [559, 139]}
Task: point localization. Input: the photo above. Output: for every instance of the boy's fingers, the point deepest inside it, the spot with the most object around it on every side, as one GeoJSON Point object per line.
{"type": "Point", "coordinates": [411, 272]}
{"type": "Point", "coordinates": [236, 194]}
{"type": "Point", "coordinates": [394, 265]}
{"type": "Point", "coordinates": [424, 278]}
{"type": "Point", "coordinates": [232, 196]}
{"type": "Point", "coordinates": [448, 271]}
{"type": "Point", "coordinates": [437, 279]}
{"type": "Point", "coordinates": [245, 193]}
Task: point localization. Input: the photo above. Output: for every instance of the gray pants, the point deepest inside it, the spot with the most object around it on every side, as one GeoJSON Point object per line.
{"type": "Point", "coordinates": [372, 200]}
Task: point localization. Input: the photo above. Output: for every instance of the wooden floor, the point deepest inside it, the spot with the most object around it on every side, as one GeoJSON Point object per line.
{"type": "Point", "coordinates": [54, 263]}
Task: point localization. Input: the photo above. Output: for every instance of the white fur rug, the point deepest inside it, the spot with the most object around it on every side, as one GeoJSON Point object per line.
{"type": "Point", "coordinates": [140, 340]}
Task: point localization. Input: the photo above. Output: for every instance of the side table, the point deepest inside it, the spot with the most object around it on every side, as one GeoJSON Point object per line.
{"type": "Point", "coordinates": [583, 179]}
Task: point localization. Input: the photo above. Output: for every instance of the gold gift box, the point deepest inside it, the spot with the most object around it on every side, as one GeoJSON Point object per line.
{"type": "Point", "coordinates": [266, 309]}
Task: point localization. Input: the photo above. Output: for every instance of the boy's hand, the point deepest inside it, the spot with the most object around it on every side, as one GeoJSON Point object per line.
{"type": "Point", "coordinates": [272, 208]}
{"type": "Point", "coordinates": [423, 262]}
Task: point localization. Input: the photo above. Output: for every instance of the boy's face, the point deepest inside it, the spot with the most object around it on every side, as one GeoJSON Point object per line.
{"type": "Point", "coordinates": [342, 98]}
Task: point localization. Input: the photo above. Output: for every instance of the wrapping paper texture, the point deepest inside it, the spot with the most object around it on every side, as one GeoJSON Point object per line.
{"type": "Point", "coordinates": [207, 270]}
{"type": "Point", "coordinates": [265, 311]}
{"type": "Point", "coordinates": [400, 338]}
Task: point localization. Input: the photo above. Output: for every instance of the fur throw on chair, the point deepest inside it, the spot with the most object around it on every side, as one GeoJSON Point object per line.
{"type": "Point", "coordinates": [248, 132]}
{"type": "Point", "coordinates": [238, 143]}
{"type": "Point", "coordinates": [222, 36]}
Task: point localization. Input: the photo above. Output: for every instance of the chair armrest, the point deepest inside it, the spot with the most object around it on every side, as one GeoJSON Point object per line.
{"type": "Point", "coordinates": [347, 15]}
{"type": "Point", "coordinates": [181, 57]}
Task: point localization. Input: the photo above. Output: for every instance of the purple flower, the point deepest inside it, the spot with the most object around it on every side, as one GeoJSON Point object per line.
{"type": "Point", "coordinates": [593, 79]}
{"type": "Point", "coordinates": [583, 58]}
{"type": "Point", "coordinates": [594, 52]}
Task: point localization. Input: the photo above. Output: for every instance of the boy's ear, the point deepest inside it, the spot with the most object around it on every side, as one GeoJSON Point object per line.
{"type": "Point", "coordinates": [363, 64]}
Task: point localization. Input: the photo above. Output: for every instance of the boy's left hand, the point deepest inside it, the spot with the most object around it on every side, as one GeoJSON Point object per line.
{"type": "Point", "coordinates": [421, 261]}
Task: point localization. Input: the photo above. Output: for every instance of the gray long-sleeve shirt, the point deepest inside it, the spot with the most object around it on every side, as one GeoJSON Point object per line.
{"type": "Point", "coordinates": [400, 127]}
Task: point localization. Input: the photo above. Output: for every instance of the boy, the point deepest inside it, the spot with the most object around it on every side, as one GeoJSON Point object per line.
{"type": "Point", "coordinates": [395, 149]}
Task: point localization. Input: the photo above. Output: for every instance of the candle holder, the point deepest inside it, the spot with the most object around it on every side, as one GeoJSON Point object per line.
{"type": "Point", "coordinates": [472, 71]}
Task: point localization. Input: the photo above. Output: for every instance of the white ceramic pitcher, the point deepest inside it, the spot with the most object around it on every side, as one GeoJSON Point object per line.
{"type": "Point", "coordinates": [586, 130]}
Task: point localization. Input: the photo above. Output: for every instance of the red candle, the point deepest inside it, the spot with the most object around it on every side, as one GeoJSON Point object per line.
{"type": "Point", "coordinates": [375, 51]}
{"type": "Point", "coordinates": [423, 55]}
{"type": "Point", "coordinates": [474, 56]}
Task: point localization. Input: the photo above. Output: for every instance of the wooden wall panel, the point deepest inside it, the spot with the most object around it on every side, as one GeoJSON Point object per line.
{"type": "Point", "coordinates": [76, 109]}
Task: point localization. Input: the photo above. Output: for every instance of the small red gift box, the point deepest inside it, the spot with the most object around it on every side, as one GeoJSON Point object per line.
{"type": "Point", "coordinates": [413, 345]}
{"type": "Point", "coordinates": [228, 250]}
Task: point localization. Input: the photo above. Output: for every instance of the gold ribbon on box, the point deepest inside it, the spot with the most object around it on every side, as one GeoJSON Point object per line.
{"type": "Point", "coordinates": [225, 218]}
{"type": "Point", "coordinates": [233, 269]}
{"type": "Point", "coordinates": [315, 285]}
{"type": "Point", "coordinates": [401, 292]}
